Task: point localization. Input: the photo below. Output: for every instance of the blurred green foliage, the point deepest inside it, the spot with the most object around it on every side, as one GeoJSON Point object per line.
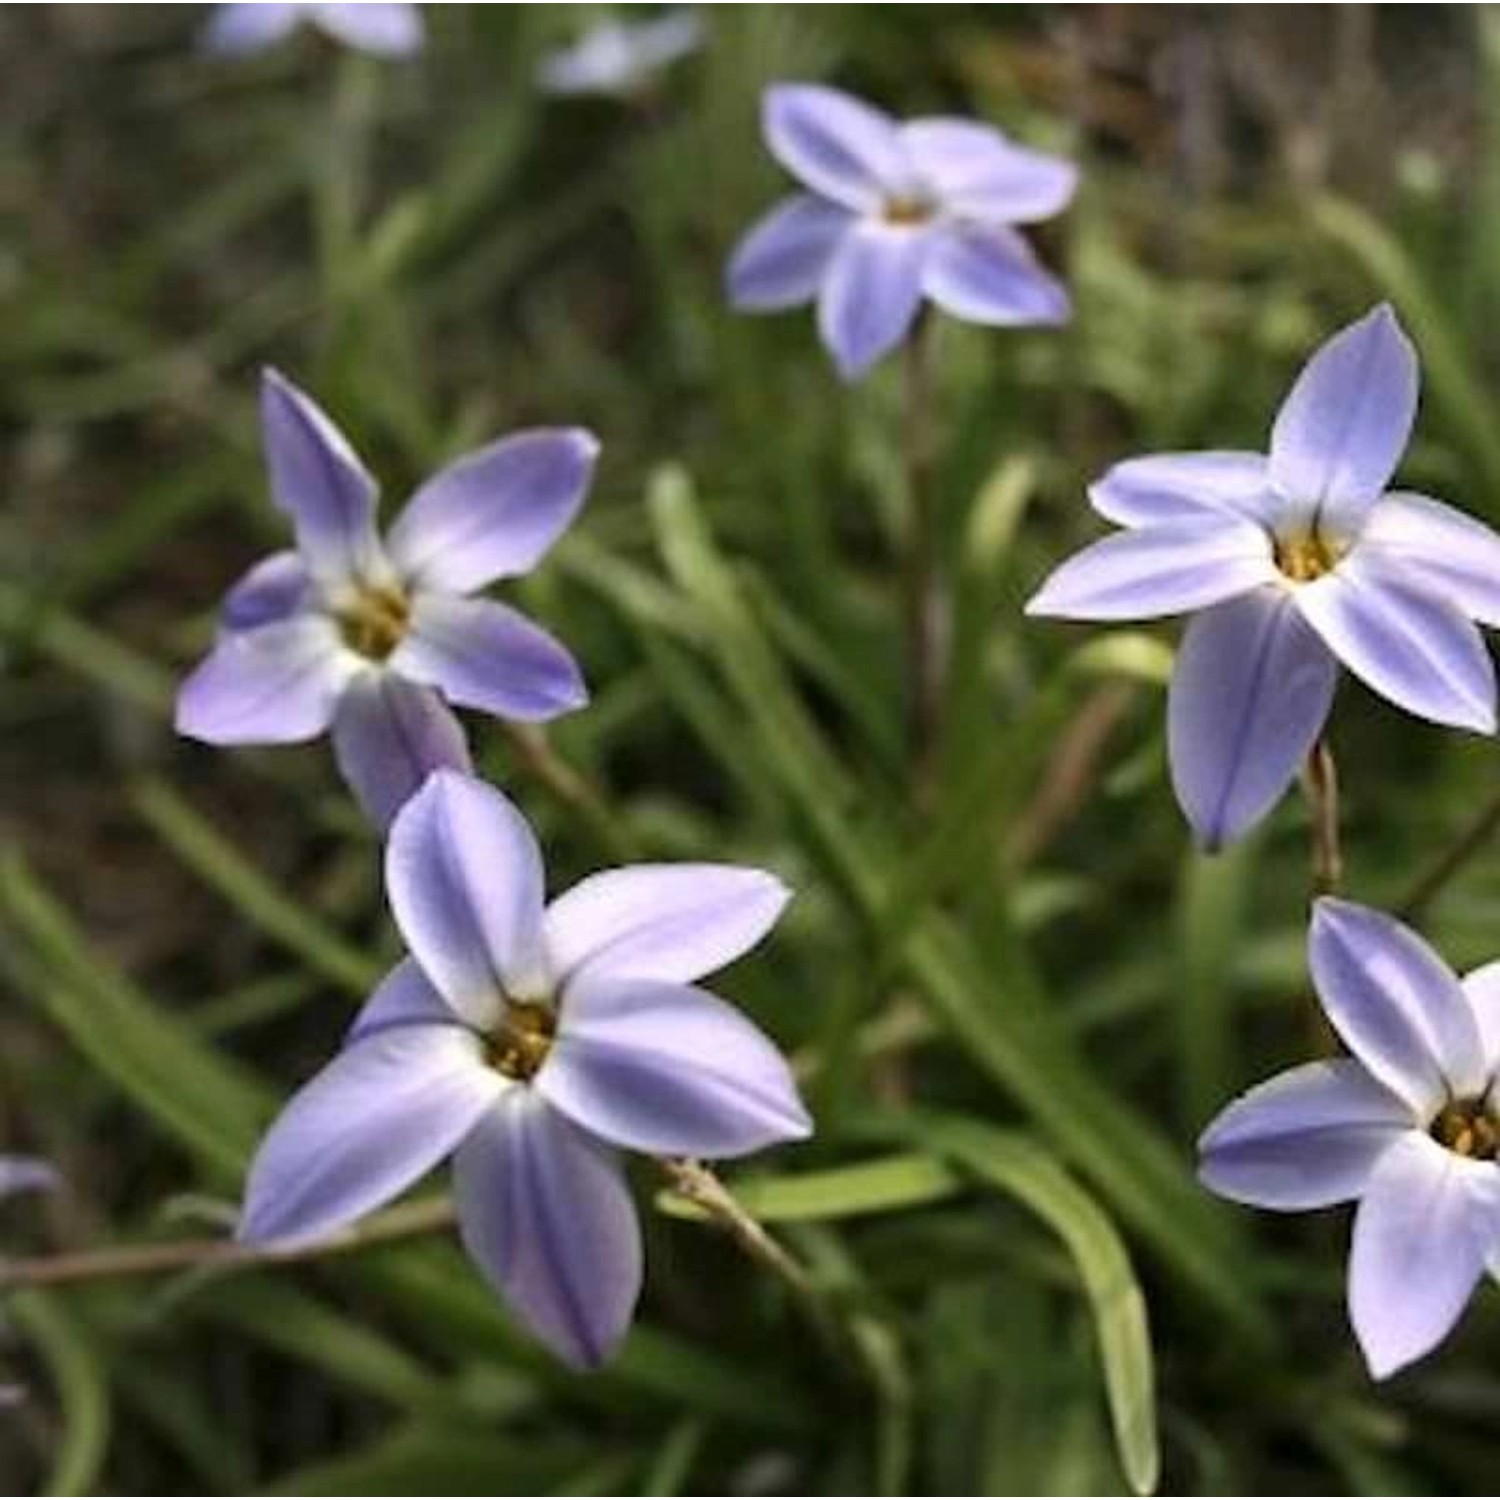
{"type": "Point", "coordinates": [1012, 1011]}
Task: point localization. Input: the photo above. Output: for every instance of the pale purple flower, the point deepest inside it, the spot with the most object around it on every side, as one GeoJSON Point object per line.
{"type": "Point", "coordinates": [1296, 561]}
{"type": "Point", "coordinates": [26, 1174]}
{"type": "Point", "coordinates": [375, 637]}
{"type": "Point", "coordinates": [384, 30]}
{"type": "Point", "coordinates": [1408, 1125]}
{"type": "Point", "coordinates": [617, 58]}
{"type": "Point", "coordinates": [894, 213]}
{"type": "Point", "coordinates": [528, 1042]}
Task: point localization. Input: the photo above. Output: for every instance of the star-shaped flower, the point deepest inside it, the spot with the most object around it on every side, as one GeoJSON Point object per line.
{"type": "Point", "coordinates": [1409, 1125]}
{"type": "Point", "coordinates": [375, 637]}
{"type": "Point", "coordinates": [1294, 562]}
{"type": "Point", "coordinates": [384, 30]}
{"type": "Point", "coordinates": [528, 1043]}
{"type": "Point", "coordinates": [894, 213]}
{"type": "Point", "coordinates": [616, 58]}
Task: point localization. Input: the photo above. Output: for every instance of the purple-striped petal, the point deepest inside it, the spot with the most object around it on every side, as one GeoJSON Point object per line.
{"type": "Point", "coordinates": [482, 654]}
{"type": "Point", "coordinates": [1342, 430]}
{"type": "Point", "coordinates": [871, 293]}
{"type": "Point", "coordinates": [1482, 989]}
{"type": "Point", "coordinates": [275, 685]}
{"type": "Point", "coordinates": [1308, 1138]}
{"type": "Point", "coordinates": [785, 256]}
{"type": "Point", "coordinates": [837, 145]}
{"type": "Point", "coordinates": [986, 273]}
{"type": "Point", "coordinates": [1399, 1008]}
{"type": "Point", "coordinates": [464, 877]}
{"type": "Point", "coordinates": [1424, 1227]}
{"type": "Point", "coordinates": [1250, 692]}
{"type": "Point", "coordinates": [1160, 570]}
{"type": "Point", "coordinates": [668, 1069]}
{"type": "Point", "coordinates": [673, 923]}
{"type": "Point", "coordinates": [494, 513]}
{"type": "Point", "coordinates": [1441, 550]}
{"type": "Point", "coordinates": [405, 997]}
{"type": "Point", "coordinates": [1165, 488]}
{"type": "Point", "coordinates": [389, 736]}
{"type": "Point", "coordinates": [276, 588]}
{"type": "Point", "coordinates": [545, 1214]}
{"type": "Point", "coordinates": [1412, 648]}
{"type": "Point", "coordinates": [980, 174]}
{"type": "Point", "coordinates": [318, 481]}
{"type": "Point", "coordinates": [382, 1114]}
{"type": "Point", "coordinates": [384, 30]}
{"type": "Point", "coordinates": [238, 30]}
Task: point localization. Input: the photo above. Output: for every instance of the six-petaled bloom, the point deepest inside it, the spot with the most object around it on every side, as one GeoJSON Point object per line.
{"type": "Point", "coordinates": [894, 213]}
{"type": "Point", "coordinates": [529, 1043]}
{"type": "Point", "coordinates": [618, 58]}
{"type": "Point", "coordinates": [376, 637]}
{"type": "Point", "coordinates": [1298, 561]}
{"type": "Point", "coordinates": [384, 30]}
{"type": "Point", "coordinates": [1409, 1125]}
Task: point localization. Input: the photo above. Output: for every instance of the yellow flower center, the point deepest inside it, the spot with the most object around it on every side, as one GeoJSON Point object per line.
{"type": "Point", "coordinates": [1467, 1128]}
{"type": "Point", "coordinates": [519, 1045]}
{"type": "Point", "coordinates": [1307, 555]}
{"type": "Point", "coordinates": [906, 208]}
{"type": "Point", "coordinates": [374, 622]}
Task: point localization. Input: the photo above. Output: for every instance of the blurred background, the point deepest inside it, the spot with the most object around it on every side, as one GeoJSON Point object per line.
{"type": "Point", "coordinates": [1012, 1012]}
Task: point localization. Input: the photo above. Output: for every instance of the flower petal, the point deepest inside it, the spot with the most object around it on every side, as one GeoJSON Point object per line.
{"type": "Point", "coordinates": [871, 293]}
{"type": "Point", "coordinates": [668, 1069]}
{"type": "Point", "coordinates": [1416, 650]}
{"type": "Point", "coordinates": [1307, 1138]}
{"type": "Point", "coordinates": [1399, 1008]}
{"type": "Point", "coordinates": [317, 480]}
{"type": "Point", "coordinates": [1159, 570]}
{"type": "Point", "coordinates": [27, 1174]}
{"type": "Point", "coordinates": [405, 997]}
{"type": "Point", "coordinates": [986, 273]}
{"type": "Point", "coordinates": [1424, 1227]}
{"type": "Point", "coordinates": [1345, 424]}
{"type": "Point", "coordinates": [1482, 989]}
{"type": "Point", "coordinates": [494, 513]}
{"type": "Point", "coordinates": [274, 685]}
{"type": "Point", "coordinates": [665, 922]}
{"type": "Point", "coordinates": [389, 735]}
{"type": "Point", "coordinates": [382, 1114]}
{"type": "Point", "coordinates": [464, 877]}
{"type": "Point", "coordinates": [1167, 487]}
{"type": "Point", "coordinates": [1442, 550]}
{"type": "Point", "coordinates": [276, 588]}
{"type": "Point", "coordinates": [784, 257]}
{"type": "Point", "coordinates": [1250, 692]}
{"type": "Point", "coordinates": [482, 654]}
{"type": "Point", "coordinates": [238, 30]}
{"type": "Point", "coordinates": [836, 144]}
{"type": "Point", "coordinates": [980, 174]}
{"type": "Point", "coordinates": [545, 1214]}
{"type": "Point", "coordinates": [386, 30]}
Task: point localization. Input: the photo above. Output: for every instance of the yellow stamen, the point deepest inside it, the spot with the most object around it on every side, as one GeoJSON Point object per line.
{"type": "Point", "coordinates": [374, 623]}
{"type": "Point", "coordinates": [906, 210]}
{"type": "Point", "coordinates": [1307, 556]}
{"type": "Point", "coordinates": [519, 1045]}
{"type": "Point", "coordinates": [1466, 1128]}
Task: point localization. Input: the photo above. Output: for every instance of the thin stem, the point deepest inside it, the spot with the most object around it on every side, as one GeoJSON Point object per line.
{"type": "Point", "coordinates": [1431, 881]}
{"type": "Point", "coordinates": [1320, 781]}
{"type": "Point", "coordinates": [924, 607]}
{"type": "Point", "coordinates": [569, 786]}
{"type": "Point", "coordinates": [122, 1261]}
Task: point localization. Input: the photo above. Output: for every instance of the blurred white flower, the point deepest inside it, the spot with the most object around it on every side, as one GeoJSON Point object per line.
{"type": "Point", "coordinates": [384, 30]}
{"type": "Point", "coordinates": [615, 58]}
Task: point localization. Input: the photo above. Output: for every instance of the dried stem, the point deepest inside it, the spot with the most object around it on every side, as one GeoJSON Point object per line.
{"type": "Point", "coordinates": [1320, 781]}
{"type": "Point", "coordinates": [1431, 881]}
{"type": "Point", "coordinates": [121, 1261]}
{"type": "Point", "coordinates": [924, 605]}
